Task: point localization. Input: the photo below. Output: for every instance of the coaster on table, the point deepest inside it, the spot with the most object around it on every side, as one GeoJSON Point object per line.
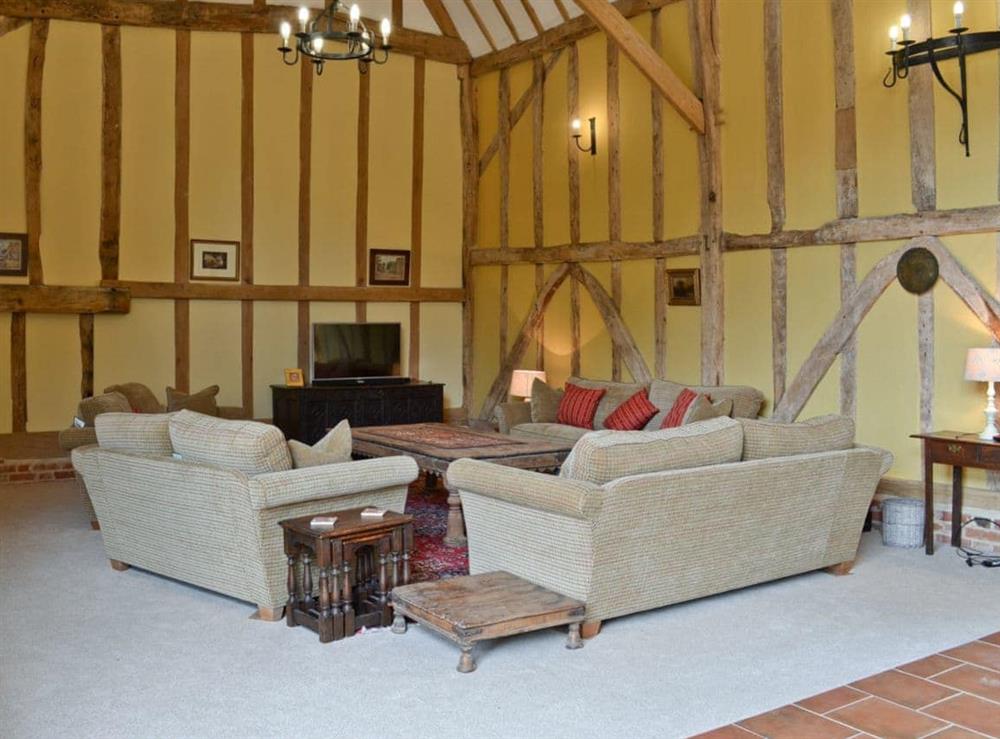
{"type": "Point", "coordinates": [323, 522]}
{"type": "Point", "coordinates": [373, 512]}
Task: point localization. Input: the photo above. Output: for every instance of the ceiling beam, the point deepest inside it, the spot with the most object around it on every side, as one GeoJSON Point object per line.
{"type": "Point", "coordinates": [651, 64]}
{"type": "Point", "coordinates": [562, 10]}
{"type": "Point", "coordinates": [507, 19]}
{"type": "Point", "coordinates": [440, 15]}
{"type": "Point", "coordinates": [199, 16]}
{"type": "Point", "coordinates": [479, 22]}
{"type": "Point", "coordinates": [557, 37]}
{"type": "Point", "coordinates": [533, 16]}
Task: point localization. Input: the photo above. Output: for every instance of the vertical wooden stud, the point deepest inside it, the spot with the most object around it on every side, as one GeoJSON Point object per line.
{"type": "Point", "coordinates": [86, 355]}
{"type": "Point", "coordinates": [33, 147]}
{"type": "Point", "coordinates": [470, 203]}
{"type": "Point", "coordinates": [182, 168]}
{"type": "Point", "coordinates": [503, 154]}
{"type": "Point", "coordinates": [305, 203]}
{"type": "Point", "coordinates": [925, 355]}
{"type": "Point", "coordinates": [614, 188]}
{"type": "Point", "coordinates": [573, 109]}
{"type": "Point", "coordinates": [660, 317]}
{"type": "Point", "coordinates": [111, 151]}
{"type": "Point", "coordinates": [656, 110]}
{"type": "Point", "coordinates": [574, 326]}
{"type": "Point", "coordinates": [361, 203]}
{"type": "Point", "coordinates": [416, 210]}
{"type": "Point", "coordinates": [18, 374]}
{"type": "Point", "coordinates": [246, 218]}
{"type": "Point", "coordinates": [921, 108]}
{"type": "Point", "coordinates": [773, 121]}
{"type": "Point", "coordinates": [779, 321]}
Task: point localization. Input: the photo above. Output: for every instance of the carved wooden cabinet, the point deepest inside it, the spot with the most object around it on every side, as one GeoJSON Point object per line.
{"type": "Point", "coordinates": [305, 413]}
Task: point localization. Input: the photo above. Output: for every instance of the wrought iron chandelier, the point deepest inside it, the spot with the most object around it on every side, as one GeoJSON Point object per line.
{"type": "Point", "coordinates": [336, 34]}
{"type": "Point", "coordinates": [957, 46]}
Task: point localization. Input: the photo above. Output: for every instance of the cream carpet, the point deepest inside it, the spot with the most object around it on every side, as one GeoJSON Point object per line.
{"type": "Point", "coordinates": [89, 652]}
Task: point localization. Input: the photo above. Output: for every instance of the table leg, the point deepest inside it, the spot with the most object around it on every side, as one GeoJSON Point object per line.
{"type": "Point", "coordinates": [325, 621]}
{"type": "Point", "coordinates": [573, 640]}
{"type": "Point", "coordinates": [956, 506]}
{"type": "Point", "coordinates": [399, 624]}
{"type": "Point", "coordinates": [928, 503]}
{"type": "Point", "coordinates": [290, 583]}
{"type": "Point", "coordinates": [466, 663]}
{"type": "Point", "coordinates": [348, 596]}
{"type": "Point", "coordinates": [455, 535]}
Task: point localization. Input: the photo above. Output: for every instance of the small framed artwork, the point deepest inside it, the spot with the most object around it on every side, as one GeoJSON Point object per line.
{"type": "Point", "coordinates": [295, 378]}
{"type": "Point", "coordinates": [13, 255]}
{"type": "Point", "coordinates": [683, 287]}
{"type": "Point", "coordinates": [388, 267]}
{"type": "Point", "coordinates": [215, 260]}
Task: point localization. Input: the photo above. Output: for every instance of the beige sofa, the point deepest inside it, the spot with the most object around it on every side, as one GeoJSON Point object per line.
{"type": "Point", "coordinates": [533, 420]}
{"type": "Point", "coordinates": [210, 518]}
{"type": "Point", "coordinates": [745, 502]}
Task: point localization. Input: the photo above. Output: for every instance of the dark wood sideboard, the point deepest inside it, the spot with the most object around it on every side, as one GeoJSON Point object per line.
{"type": "Point", "coordinates": [305, 413]}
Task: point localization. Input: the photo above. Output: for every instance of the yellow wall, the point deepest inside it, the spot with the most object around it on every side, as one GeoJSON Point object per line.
{"type": "Point", "coordinates": [140, 345]}
{"type": "Point", "coordinates": [888, 380]}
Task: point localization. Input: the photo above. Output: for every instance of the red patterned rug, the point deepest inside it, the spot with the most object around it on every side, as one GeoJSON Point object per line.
{"type": "Point", "coordinates": [432, 560]}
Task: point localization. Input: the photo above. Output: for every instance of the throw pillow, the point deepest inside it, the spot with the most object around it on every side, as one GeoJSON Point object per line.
{"type": "Point", "coordinates": [89, 408]}
{"type": "Point", "coordinates": [679, 410]}
{"type": "Point", "coordinates": [139, 396]}
{"type": "Point", "coordinates": [765, 439]}
{"type": "Point", "coordinates": [615, 393]}
{"type": "Point", "coordinates": [703, 409]}
{"type": "Point", "coordinates": [544, 402]}
{"type": "Point", "coordinates": [333, 448]}
{"type": "Point", "coordinates": [202, 401]}
{"type": "Point", "coordinates": [578, 406]}
{"type": "Point", "coordinates": [633, 414]}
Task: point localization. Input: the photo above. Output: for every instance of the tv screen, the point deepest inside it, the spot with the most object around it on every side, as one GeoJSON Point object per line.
{"type": "Point", "coordinates": [351, 350]}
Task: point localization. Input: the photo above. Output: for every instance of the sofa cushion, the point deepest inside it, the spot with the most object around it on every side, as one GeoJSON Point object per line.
{"type": "Point", "coordinates": [202, 401]}
{"type": "Point", "coordinates": [615, 393]}
{"type": "Point", "coordinates": [138, 433]}
{"type": "Point", "coordinates": [250, 447]}
{"type": "Point", "coordinates": [703, 409]}
{"type": "Point", "coordinates": [555, 432]}
{"type": "Point", "coordinates": [747, 401]}
{"type": "Point", "coordinates": [578, 406]}
{"type": "Point", "coordinates": [89, 408]}
{"type": "Point", "coordinates": [139, 396]}
{"type": "Point", "coordinates": [765, 439]}
{"type": "Point", "coordinates": [544, 402]}
{"type": "Point", "coordinates": [633, 414]}
{"type": "Point", "coordinates": [333, 448]}
{"type": "Point", "coordinates": [602, 456]}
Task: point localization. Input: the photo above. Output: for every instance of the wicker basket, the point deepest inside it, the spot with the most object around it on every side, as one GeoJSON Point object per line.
{"type": "Point", "coordinates": [902, 522]}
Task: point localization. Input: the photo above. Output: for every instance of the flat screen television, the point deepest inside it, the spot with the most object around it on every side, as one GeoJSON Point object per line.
{"type": "Point", "coordinates": [355, 351]}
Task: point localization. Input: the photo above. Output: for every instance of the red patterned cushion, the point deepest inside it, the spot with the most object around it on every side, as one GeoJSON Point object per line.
{"type": "Point", "coordinates": [633, 414]}
{"type": "Point", "coordinates": [578, 406]}
{"type": "Point", "coordinates": [675, 416]}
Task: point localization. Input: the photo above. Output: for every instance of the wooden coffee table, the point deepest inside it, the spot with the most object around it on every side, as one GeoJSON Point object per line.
{"type": "Point", "coordinates": [434, 446]}
{"type": "Point", "coordinates": [491, 605]}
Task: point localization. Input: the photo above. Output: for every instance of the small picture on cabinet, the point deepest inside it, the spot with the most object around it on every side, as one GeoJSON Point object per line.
{"type": "Point", "coordinates": [215, 260]}
{"type": "Point", "coordinates": [389, 267]}
{"type": "Point", "coordinates": [13, 255]}
{"type": "Point", "coordinates": [683, 287]}
{"type": "Point", "coordinates": [295, 378]}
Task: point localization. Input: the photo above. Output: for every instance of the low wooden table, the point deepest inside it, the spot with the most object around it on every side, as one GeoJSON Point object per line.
{"type": "Point", "coordinates": [359, 561]}
{"type": "Point", "coordinates": [492, 605]}
{"type": "Point", "coordinates": [960, 450]}
{"type": "Point", "coordinates": [434, 446]}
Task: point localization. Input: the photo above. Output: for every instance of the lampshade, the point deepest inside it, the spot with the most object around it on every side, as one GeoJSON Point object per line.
{"type": "Point", "coordinates": [983, 365]}
{"type": "Point", "coordinates": [522, 380]}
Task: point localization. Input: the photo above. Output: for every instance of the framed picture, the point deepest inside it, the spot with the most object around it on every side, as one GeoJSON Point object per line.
{"type": "Point", "coordinates": [13, 255]}
{"type": "Point", "coordinates": [388, 267]}
{"type": "Point", "coordinates": [295, 378]}
{"type": "Point", "coordinates": [683, 287]}
{"type": "Point", "coordinates": [215, 260]}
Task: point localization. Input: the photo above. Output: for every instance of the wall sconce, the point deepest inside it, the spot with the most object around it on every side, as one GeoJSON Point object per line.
{"type": "Point", "coordinates": [957, 46]}
{"type": "Point", "coordinates": [593, 135]}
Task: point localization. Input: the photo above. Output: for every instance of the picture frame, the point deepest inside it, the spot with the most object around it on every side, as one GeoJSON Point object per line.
{"type": "Point", "coordinates": [13, 255]}
{"type": "Point", "coordinates": [683, 287]}
{"type": "Point", "coordinates": [295, 377]}
{"type": "Point", "coordinates": [217, 261]}
{"type": "Point", "coordinates": [389, 267]}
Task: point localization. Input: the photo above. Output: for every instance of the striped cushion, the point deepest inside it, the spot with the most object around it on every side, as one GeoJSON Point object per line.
{"type": "Point", "coordinates": [578, 406]}
{"type": "Point", "coordinates": [139, 433]}
{"type": "Point", "coordinates": [633, 414]}
{"type": "Point", "coordinates": [765, 439]}
{"type": "Point", "coordinates": [250, 447]}
{"type": "Point", "coordinates": [615, 393]}
{"type": "Point", "coordinates": [679, 410]}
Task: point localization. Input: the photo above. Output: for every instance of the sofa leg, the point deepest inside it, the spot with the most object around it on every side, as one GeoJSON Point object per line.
{"type": "Point", "coordinates": [590, 629]}
{"type": "Point", "coordinates": [118, 565]}
{"type": "Point", "coordinates": [264, 613]}
{"type": "Point", "coordinates": [95, 525]}
{"type": "Point", "coordinates": [842, 568]}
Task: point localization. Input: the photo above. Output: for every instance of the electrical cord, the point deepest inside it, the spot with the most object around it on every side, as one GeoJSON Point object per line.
{"type": "Point", "coordinates": [975, 557]}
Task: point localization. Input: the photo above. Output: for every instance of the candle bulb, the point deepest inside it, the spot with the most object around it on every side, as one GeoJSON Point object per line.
{"type": "Point", "coordinates": [386, 29]}
{"type": "Point", "coordinates": [355, 17]}
{"type": "Point", "coordinates": [575, 125]}
{"type": "Point", "coordinates": [303, 17]}
{"type": "Point", "coordinates": [893, 37]}
{"type": "Point", "coordinates": [959, 10]}
{"type": "Point", "coordinates": [317, 44]}
{"type": "Point", "coordinates": [905, 22]}
{"type": "Point", "coordinates": [286, 32]}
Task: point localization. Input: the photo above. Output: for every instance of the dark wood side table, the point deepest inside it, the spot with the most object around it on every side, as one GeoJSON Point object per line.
{"type": "Point", "coordinates": [359, 560]}
{"type": "Point", "coordinates": [960, 450]}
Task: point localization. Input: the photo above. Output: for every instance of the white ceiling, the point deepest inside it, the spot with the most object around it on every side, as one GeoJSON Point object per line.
{"type": "Point", "coordinates": [417, 17]}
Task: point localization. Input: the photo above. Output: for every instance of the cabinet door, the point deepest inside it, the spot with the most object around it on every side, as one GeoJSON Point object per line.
{"type": "Point", "coordinates": [424, 406]}
{"type": "Point", "coordinates": [369, 407]}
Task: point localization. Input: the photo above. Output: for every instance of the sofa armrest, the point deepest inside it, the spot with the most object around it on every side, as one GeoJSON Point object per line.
{"type": "Point", "coordinates": [572, 498]}
{"type": "Point", "coordinates": [330, 480]}
{"type": "Point", "coordinates": [886, 456]}
{"type": "Point", "coordinates": [512, 414]}
{"type": "Point", "coordinates": [75, 436]}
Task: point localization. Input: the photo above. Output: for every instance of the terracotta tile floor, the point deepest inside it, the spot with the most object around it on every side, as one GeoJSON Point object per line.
{"type": "Point", "coordinates": [952, 695]}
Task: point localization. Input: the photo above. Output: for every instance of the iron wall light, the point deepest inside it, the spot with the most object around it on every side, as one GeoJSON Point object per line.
{"type": "Point", "coordinates": [905, 53]}
{"type": "Point", "coordinates": [592, 148]}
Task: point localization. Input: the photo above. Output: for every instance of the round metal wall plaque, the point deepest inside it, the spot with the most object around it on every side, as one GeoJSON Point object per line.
{"type": "Point", "coordinates": [917, 270]}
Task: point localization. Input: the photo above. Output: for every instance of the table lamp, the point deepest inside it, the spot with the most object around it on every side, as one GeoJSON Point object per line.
{"type": "Point", "coordinates": [522, 380]}
{"type": "Point", "coordinates": [983, 365]}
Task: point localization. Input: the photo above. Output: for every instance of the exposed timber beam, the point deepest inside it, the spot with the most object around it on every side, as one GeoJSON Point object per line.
{"type": "Point", "coordinates": [199, 16]}
{"type": "Point", "coordinates": [557, 37]}
{"type": "Point", "coordinates": [597, 251]}
{"type": "Point", "coordinates": [443, 19]}
{"type": "Point", "coordinates": [483, 28]}
{"type": "Point", "coordinates": [58, 299]}
{"type": "Point", "coordinates": [11, 24]}
{"type": "Point", "coordinates": [651, 64]}
{"type": "Point", "coordinates": [206, 291]}
{"type": "Point", "coordinates": [507, 20]}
